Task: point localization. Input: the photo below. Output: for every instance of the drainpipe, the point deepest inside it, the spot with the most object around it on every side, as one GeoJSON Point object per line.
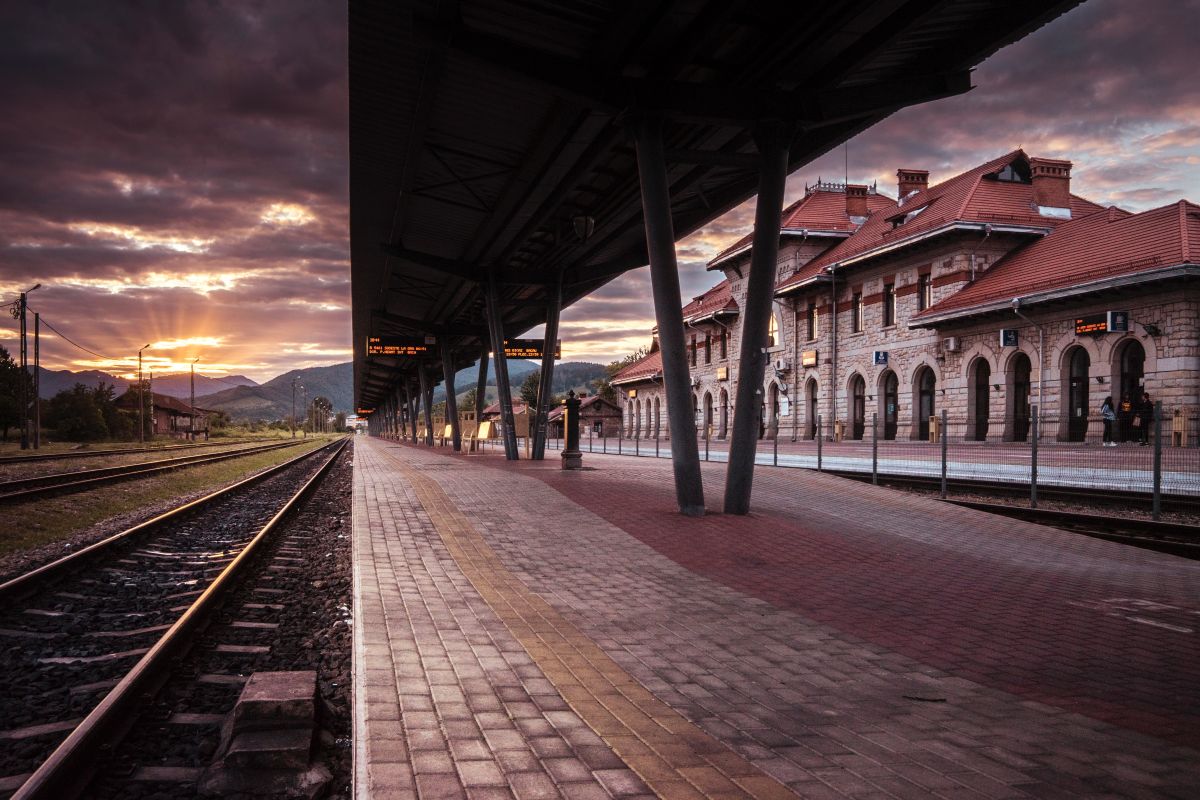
{"type": "Point", "coordinates": [1016, 307]}
{"type": "Point", "coordinates": [833, 320]}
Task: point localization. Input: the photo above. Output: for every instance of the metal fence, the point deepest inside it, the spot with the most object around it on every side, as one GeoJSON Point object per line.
{"type": "Point", "coordinates": [1150, 463]}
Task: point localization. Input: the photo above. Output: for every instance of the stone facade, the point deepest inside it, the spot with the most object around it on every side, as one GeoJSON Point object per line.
{"type": "Point", "coordinates": [905, 369]}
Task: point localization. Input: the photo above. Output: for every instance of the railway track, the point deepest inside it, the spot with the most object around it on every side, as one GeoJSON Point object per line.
{"type": "Point", "coordinates": [39, 486]}
{"type": "Point", "coordinates": [121, 451]}
{"type": "Point", "coordinates": [1073, 494]}
{"type": "Point", "coordinates": [1164, 537]}
{"type": "Point", "coordinates": [86, 640]}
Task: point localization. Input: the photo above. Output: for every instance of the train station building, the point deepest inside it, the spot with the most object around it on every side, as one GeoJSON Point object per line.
{"type": "Point", "coordinates": [947, 297]}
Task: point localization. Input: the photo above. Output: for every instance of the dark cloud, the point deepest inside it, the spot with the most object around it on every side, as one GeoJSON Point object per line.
{"type": "Point", "coordinates": [178, 169]}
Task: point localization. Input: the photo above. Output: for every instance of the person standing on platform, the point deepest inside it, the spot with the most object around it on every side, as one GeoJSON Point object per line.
{"type": "Point", "coordinates": [1145, 412]}
{"type": "Point", "coordinates": [1125, 418]}
{"type": "Point", "coordinates": [1109, 414]}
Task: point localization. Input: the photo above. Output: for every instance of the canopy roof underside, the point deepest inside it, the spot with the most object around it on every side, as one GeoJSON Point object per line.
{"type": "Point", "coordinates": [479, 130]}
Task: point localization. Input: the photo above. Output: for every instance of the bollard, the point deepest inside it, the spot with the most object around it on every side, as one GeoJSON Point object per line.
{"type": "Point", "coordinates": [656, 439]}
{"type": "Point", "coordinates": [637, 440]}
{"type": "Point", "coordinates": [875, 448]}
{"type": "Point", "coordinates": [1033, 457]}
{"type": "Point", "coordinates": [706, 443]}
{"type": "Point", "coordinates": [620, 436]}
{"type": "Point", "coordinates": [945, 441]}
{"type": "Point", "coordinates": [1157, 458]}
{"type": "Point", "coordinates": [572, 456]}
{"type": "Point", "coordinates": [591, 438]}
{"type": "Point", "coordinates": [604, 439]}
{"type": "Point", "coordinates": [820, 436]}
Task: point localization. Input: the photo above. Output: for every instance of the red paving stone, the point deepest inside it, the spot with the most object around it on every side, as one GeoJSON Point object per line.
{"type": "Point", "coordinates": [844, 640]}
{"type": "Point", "coordinates": [1072, 622]}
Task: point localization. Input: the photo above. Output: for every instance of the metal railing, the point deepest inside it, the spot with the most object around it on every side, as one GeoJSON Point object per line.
{"type": "Point", "coordinates": [1150, 462]}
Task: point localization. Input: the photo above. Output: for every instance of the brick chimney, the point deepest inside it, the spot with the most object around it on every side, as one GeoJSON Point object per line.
{"type": "Point", "coordinates": [856, 200]}
{"type": "Point", "coordinates": [1051, 182]}
{"type": "Point", "coordinates": [912, 180]}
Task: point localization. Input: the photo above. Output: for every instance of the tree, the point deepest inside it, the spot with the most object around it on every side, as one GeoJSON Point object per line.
{"type": "Point", "coordinates": [10, 392]}
{"type": "Point", "coordinates": [468, 401]}
{"type": "Point", "coordinates": [529, 389]}
{"type": "Point", "coordinates": [339, 422]}
{"type": "Point", "coordinates": [73, 413]}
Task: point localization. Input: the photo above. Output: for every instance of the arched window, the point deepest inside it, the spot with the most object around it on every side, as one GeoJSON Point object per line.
{"type": "Point", "coordinates": [979, 402]}
{"type": "Point", "coordinates": [858, 406]}
{"type": "Point", "coordinates": [924, 386]}
{"type": "Point", "coordinates": [772, 330]}
{"type": "Point", "coordinates": [1075, 380]}
{"type": "Point", "coordinates": [889, 403]}
{"type": "Point", "coordinates": [1020, 384]}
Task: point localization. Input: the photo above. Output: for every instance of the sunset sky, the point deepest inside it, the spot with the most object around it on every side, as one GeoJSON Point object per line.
{"type": "Point", "coordinates": [176, 173]}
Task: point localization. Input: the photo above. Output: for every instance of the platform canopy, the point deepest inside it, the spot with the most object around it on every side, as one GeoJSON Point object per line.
{"type": "Point", "coordinates": [490, 137]}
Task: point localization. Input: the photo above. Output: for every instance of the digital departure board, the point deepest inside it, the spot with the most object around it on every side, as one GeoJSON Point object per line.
{"type": "Point", "coordinates": [398, 346]}
{"type": "Point", "coordinates": [529, 348]}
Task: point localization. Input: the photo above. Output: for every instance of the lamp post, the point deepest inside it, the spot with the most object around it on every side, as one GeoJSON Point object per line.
{"type": "Point", "coordinates": [192, 426]}
{"type": "Point", "coordinates": [141, 400]}
{"type": "Point", "coordinates": [303, 430]}
{"type": "Point", "coordinates": [293, 408]}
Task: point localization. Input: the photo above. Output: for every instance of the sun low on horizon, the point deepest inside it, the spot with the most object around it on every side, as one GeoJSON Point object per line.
{"type": "Point", "coordinates": [201, 206]}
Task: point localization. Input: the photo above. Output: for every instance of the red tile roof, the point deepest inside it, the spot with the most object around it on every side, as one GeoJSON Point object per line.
{"type": "Point", "coordinates": [1106, 244]}
{"type": "Point", "coordinates": [494, 408]}
{"type": "Point", "coordinates": [641, 369]}
{"type": "Point", "coordinates": [819, 211]}
{"type": "Point", "coordinates": [970, 197]}
{"type": "Point", "coordinates": [717, 300]}
{"type": "Point", "coordinates": [586, 402]}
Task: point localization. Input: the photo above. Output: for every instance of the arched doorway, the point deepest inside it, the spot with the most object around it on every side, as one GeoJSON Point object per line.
{"type": "Point", "coordinates": [858, 406]}
{"type": "Point", "coordinates": [657, 419]}
{"type": "Point", "coordinates": [637, 419]}
{"type": "Point", "coordinates": [810, 396]}
{"type": "Point", "coordinates": [1129, 371]}
{"type": "Point", "coordinates": [772, 421]}
{"type": "Point", "coordinates": [708, 414]}
{"type": "Point", "coordinates": [1020, 371]}
{"type": "Point", "coordinates": [724, 425]}
{"type": "Point", "coordinates": [924, 386]}
{"type": "Point", "coordinates": [649, 418]}
{"type": "Point", "coordinates": [979, 402]}
{"type": "Point", "coordinates": [1077, 373]}
{"type": "Point", "coordinates": [695, 411]}
{"type": "Point", "coordinates": [889, 403]}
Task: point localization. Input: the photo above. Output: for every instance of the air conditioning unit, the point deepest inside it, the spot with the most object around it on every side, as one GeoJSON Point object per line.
{"type": "Point", "coordinates": [950, 344]}
{"type": "Point", "coordinates": [782, 364]}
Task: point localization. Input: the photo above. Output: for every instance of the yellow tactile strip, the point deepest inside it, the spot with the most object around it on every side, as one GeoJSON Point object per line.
{"type": "Point", "coordinates": [674, 757]}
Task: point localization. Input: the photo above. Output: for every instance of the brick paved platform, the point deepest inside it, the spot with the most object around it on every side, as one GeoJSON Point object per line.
{"type": "Point", "coordinates": [525, 632]}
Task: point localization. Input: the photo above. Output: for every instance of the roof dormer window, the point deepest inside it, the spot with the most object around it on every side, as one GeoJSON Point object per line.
{"type": "Point", "coordinates": [901, 219]}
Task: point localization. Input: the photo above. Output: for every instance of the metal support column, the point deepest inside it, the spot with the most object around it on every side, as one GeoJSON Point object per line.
{"type": "Point", "coordinates": [772, 140]}
{"type": "Point", "coordinates": [451, 399]}
{"type": "Point", "coordinates": [668, 311]}
{"type": "Point", "coordinates": [545, 386]}
{"type": "Point", "coordinates": [412, 411]}
{"type": "Point", "coordinates": [426, 403]}
{"type": "Point", "coordinates": [481, 386]}
{"type": "Point", "coordinates": [496, 327]}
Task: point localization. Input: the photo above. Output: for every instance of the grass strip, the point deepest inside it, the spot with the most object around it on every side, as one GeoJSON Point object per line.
{"type": "Point", "coordinates": [27, 525]}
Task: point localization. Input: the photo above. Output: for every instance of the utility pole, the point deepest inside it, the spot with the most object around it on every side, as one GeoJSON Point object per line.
{"type": "Point", "coordinates": [193, 424]}
{"type": "Point", "coordinates": [303, 429]}
{"type": "Point", "coordinates": [37, 380]}
{"type": "Point", "coordinates": [141, 401]}
{"type": "Point", "coordinates": [18, 311]}
{"type": "Point", "coordinates": [293, 408]}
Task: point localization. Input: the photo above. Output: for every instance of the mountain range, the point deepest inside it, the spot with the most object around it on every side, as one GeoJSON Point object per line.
{"type": "Point", "coordinates": [243, 399]}
{"type": "Point", "coordinates": [175, 384]}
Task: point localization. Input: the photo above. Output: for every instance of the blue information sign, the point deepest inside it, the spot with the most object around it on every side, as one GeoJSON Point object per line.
{"type": "Point", "coordinates": [881, 358]}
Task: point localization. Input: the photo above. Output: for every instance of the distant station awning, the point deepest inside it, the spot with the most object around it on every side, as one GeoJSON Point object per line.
{"type": "Point", "coordinates": [489, 140]}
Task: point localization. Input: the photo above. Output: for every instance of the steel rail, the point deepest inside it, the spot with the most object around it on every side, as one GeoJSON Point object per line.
{"type": "Point", "coordinates": [66, 773]}
{"type": "Point", "coordinates": [29, 581]}
{"type": "Point", "coordinates": [116, 451]}
{"type": "Point", "coordinates": [26, 488]}
{"type": "Point", "coordinates": [1017, 489]}
{"type": "Point", "coordinates": [1165, 537]}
